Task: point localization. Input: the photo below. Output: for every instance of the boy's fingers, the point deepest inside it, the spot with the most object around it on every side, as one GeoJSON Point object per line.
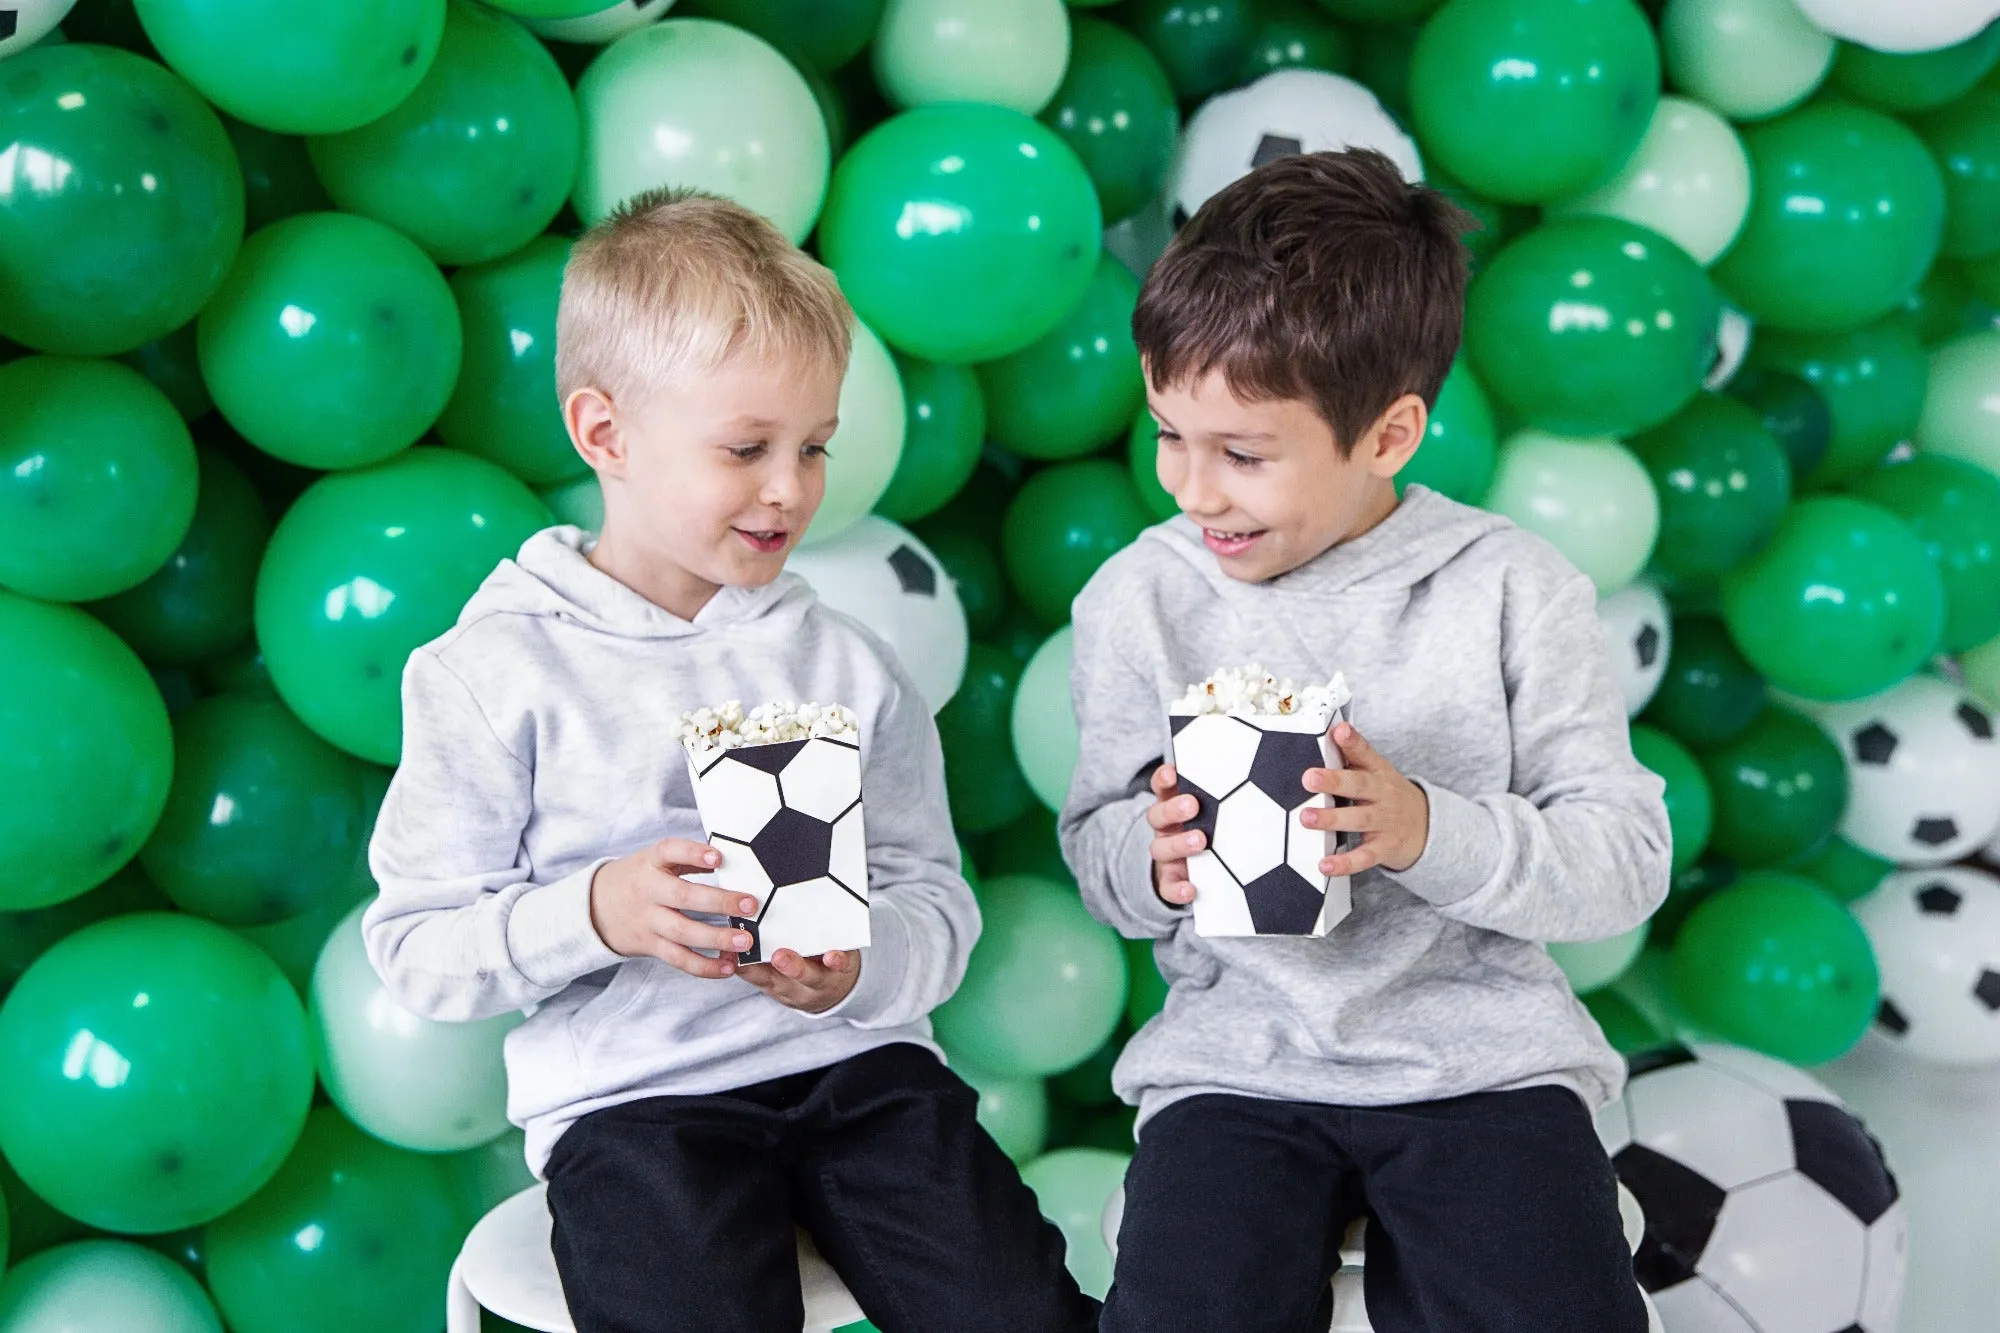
{"type": "Point", "coordinates": [1177, 891]}
{"type": "Point", "coordinates": [1164, 780]}
{"type": "Point", "coordinates": [678, 929]}
{"type": "Point", "coordinates": [1342, 818]}
{"type": "Point", "coordinates": [671, 853]}
{"type": "Point", "coordinates": [1350, 782]}
{"type": "Point", "coordinates": [694, 964]}
{"type": "Point", "coordinates": [839, 960]}
{"type": "Point", "coordinates": [1354, 747]}
{"type": "Point", "coordinates": [687, 896]}
{"type": "Point", "coordinates": [1176, 847]}
{"type": "Point", "coordinates": [1175, 810]}
{"type": "Point", "coordinates": [1353, 862]}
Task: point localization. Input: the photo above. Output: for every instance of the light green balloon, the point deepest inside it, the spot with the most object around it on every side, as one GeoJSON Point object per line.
{"type": "Point", "coordinates": [1747, 59]}
{"type": "Point", "coordinates": [1015, 1111]}
{"type": "Point", "coordinates": [1982, 671]}
{"type": "Point", "coordinates": [1688, 180]}
{"type": "Point", "coordinates": [97, 1286]}
{"type": "Point", "coordinates": [579, 502]}
{"type": "Point", "coordinates": [490, 1174]}
{"type": "Point", "coordinates": [693, 102]}
{"type": "Point", "coordinates": [1008, 52]}
{"type": "Point", "coordinates": [861, 456]}
{"type": "Point", "coordinates": [1044, 722]}
{"type": "Point", "coordinates": [1073, 1185]}
{"type": "Point", "coordinates": [419, 1084]}
{"type": "Point", "coordinates": [1595, 964]}
{"type": "Point", "coordinates": [1592, 498]}
{"type": "Point", "coordinates": [1962, 405]}
{"type": "Point", "coordinates": [295, 944]}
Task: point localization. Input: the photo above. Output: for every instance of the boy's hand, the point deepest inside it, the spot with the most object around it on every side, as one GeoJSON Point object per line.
{"type": "Point", "coordinates": [810, 985]}
{"type": "Point", "coordinates": [1172, 844]}
{"type": "Point", "coordinates": [638, 902]}
{"type": "Point", "coordinates": [1390, 812]}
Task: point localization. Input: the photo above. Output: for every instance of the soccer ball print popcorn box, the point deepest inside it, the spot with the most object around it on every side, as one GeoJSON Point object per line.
{"type": "Point", "coordinates": [779, 790]}
{"type": "Point", "coordinates": [1242, 742]}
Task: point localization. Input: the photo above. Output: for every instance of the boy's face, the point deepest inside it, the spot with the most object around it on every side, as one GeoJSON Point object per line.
{"type": "Point", "coordinates": [1266, 480]}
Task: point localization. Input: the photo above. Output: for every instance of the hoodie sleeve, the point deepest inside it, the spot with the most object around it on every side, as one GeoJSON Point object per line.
{"type": "Point", "coordinates": [459, 930]}
{"type": "Point", "coordinates": [1580, 848]}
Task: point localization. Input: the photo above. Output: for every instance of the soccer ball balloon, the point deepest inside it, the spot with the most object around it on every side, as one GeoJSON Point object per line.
{"type": "Point", "coordinates": [1733, 331]}
{"type": "Point", "coordinates": [25, 22]}
{"type": "Point", "coordinates": [1907, 25]}
{"type": "Point", "coordinates": [885, 578]}
{"type": "Point", "coordinates": [1936, 935]}
{"type": "Point", "coordinates": [606, 25]}
{"type": "Point", "coordinates": [1638, 633]}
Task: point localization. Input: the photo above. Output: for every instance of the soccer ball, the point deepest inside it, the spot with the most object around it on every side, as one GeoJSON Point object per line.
{"type": "Point", "coordinates": [1768, 1207]}
{"type": "Point", "coordinates": [25, 22]}
{"type": "Point", "coordinates": [1259, 873]}
{"type": "Point", "coordinates": [1287, 112]}
{"type": "Point", "coordinates": [1936, 935]}
{"type": "Point", "coordinates": [606, 25]}
{"type": "Point", "coordinates": [1732, 344]}
{"type": "Point", "coordinates": [1638, 633]}
{"type": "Point", "coordinates": [885, 578]}
{"type": "Point", "coordinates": [1923, 768]}
{"type": "Point", "coordinates": [787, 819]}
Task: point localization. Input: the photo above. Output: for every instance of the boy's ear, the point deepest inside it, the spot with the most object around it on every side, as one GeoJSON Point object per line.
{"type": "Point", "coordinates": [1396, 435]}
{"type": "Point", "coordinates": [593, 429]}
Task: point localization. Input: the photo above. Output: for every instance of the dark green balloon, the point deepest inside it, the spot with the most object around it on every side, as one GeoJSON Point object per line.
{"type": "Point", "coordinates": [1142, 454]}
{"type": "Point", "coordinates": [1088, 1085]}
{"type": "Point", "coordinates": [133, 234]}
{"type": "Point", "coordinates": [504, 407]}
{"type": "Point", "coordinates": [826, 33]}
{"type": "Point", "coordinates": [1028, 846]}
{"type": "Point", "coordinates": [1791, 409]}
{"type": "Point", "coordinates": [945, 415]}
{"type": "Point", "coordinates": [1847, 218]}
{"type": "Point", "coordinates": [1291, 34]}
{"type": "Point", "coordinates": [1020, 631]}
{"type": "Point", "coordinates": [36, 1225]}
{"type": "Point", "coordinates": [1075, 388]}
{"type": "Point", "coordinates": [1627, 1029]}
{"type": "Point", "coordinates": [981, 776]}
{"type": "Point", "coordinates": [1709, 693]}
{"type": "Point", "coordinates": [1873, 380]}
{"type": "Point", "coordinates": [1775, 964]}
{"type": "Point", "coordinates": [974, 571]}
{"type": "Point", "coordinates": [1897, 81]}
{"type": "Point", "coordinates": [1382, 58]}
{"type": "Point", "coordinates": [1200, 43]}
{"type": "Point", "coordinates": [86, 753]}
{"type": "Point", "coordinates": [1498, 223]}
{"type": "Point", "coordinates": [158, 1070]}
{"type": "Point", "coordinates": [1690, 806]}
{"type": "Point", "coordinates": [1065, 521]}
{"type": "Point", "coordinates": [1378, 11]}
{"type": "Point", "coordinates": [1943, 305]}
{"type": "Point", "coordinates": [240, 670]}
{"type": "Point", "coordinates": [1954, 508]}
{"type": "Point", "coordinates": [1779, 786]}
{"type": "Point", "coordinates": [1459, 451]}
{"type": "Point", "coordinates": [198, 603]}
{"type": "Point", "coordinates": [1148, 989]}
{"type": "Point", "coordinates": [173, 365]}
{"type": "Point", "coordinates": [1964, 137]}
{"type": "Point", "coordinates": [475, 162]}
{"type": "Point", "coordinates": [278, 177]}
{"type": "Point", "coordinates": [349, 1234]}
{"type": "Point", "coordinates": [979, 505]}
{"type": "Point", "coordinates": [26, 936]}
{"type": "Point", "coordinates": [1842, 869]}
{"type": "Point", "coordinates": [1723, 482]}
{"type": "Point", "coordinates": [1591, 326]}
{"type": "Point", "coordinates": [368, 566]}
{"type": "Point", "coordinates": [1116, 109]}
{"type": "Point", "coordinates": [1687, 891]}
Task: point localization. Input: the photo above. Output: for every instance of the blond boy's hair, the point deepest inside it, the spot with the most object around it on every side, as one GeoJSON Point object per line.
{"type": "Point", "coordinates": [674, 282]}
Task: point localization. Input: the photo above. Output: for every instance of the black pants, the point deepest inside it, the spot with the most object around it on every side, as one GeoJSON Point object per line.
{"type": "Point", "coordinates": [1496, 1213]}
{"type": "Point", "coordinates": [676, 1213]}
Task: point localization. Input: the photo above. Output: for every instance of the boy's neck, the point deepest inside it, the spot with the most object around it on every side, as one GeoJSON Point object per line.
{"type": "Point", "coordinates": [670, 587]}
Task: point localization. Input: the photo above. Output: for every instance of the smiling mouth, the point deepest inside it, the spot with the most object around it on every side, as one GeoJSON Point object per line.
{"type": "Point", "coordinates": [1229, 543]}
{"type": "Point", "coordinates": [767, 541]}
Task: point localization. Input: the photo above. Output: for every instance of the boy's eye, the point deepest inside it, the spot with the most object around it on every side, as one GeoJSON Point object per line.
{"type": "Point", "coordinates": [1169, 439]}
{"type": "Point", "coordinates": [746, 452]}
{"type": "Point", "coordinates": [816, 451]}
{"type": "Point", "coordinates": [1241, 460]}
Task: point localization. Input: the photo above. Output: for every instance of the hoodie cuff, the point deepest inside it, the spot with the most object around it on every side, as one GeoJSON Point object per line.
{"type": "Point", "coordinates": [884, 961]}
{"type": "Point", "coordinates": [549, 935]}
{"type": "Point", "coordinates": [1462, 853]}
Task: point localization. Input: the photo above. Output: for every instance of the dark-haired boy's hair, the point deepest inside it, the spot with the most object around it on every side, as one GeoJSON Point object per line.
{"type": "Point", "coordinates": [1323, 277]}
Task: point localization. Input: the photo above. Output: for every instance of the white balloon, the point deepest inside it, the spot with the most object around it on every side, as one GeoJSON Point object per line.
{"type": "Point", "coordinates": [25, 22]}
{"type": "Point", "coordinates": [606, 25]}
{"type": "Point", "coordinates": [1744, 58]}
{"type": "Point", "coordinates": [1901, 25]}
{"type": "Point", "coordinates": [864, 451]}
{"type": "Point", "coordinates": [1043, 722]}
{"type": "Point", "coordinates": [1936, 935]}
{"type": "Point", "coordinates": [1290, 111]}
{"type": "Point", "coordinates": [1638, 633]}
{"type": "Point", "coordinates": [888, 580]}
{"type": "Point", "coordinates": [1689, 180]}
{"type": "Point", "coordinates": [409, 1081]}
{"type": "Point", "coordinates": [97, 1286]}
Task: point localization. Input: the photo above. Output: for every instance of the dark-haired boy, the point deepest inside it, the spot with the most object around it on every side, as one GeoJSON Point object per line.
{"type": "Point", "coordinates": [1424, 1062]}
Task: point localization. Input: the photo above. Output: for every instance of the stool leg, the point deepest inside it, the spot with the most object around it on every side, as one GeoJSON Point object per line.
{"type": "Point", "coordinates": [461, 1311]}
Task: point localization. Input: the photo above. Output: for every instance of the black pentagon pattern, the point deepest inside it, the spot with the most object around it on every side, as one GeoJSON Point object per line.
{"type": "Point", "coordinates": [1648, 646]}
{"type": "Point", "coordinates": [1837, 1153]}
{"type": "Point", "coordinates": [1651, 1061]}
{"type": "Point", "coordinates": [1274, 146]}
{"type": "Point", "coordinates": [1681, 1207]}
{"type": "Point", "coordinates": [1935, 830]}
{"type": "Point", "coordinates": [1281, 903]}
{"type": "Point", "coordinates": [913, 572]}
{"type": "Point", "coordinates": [1889, 1016]}
{"type": "Point", "coordinates": [794, 847]}
{"type": "Point", "coordinates": [1987, 989]}
{"type": "Point", "coordinates": [1854, 1328]}
{"type": "Point", "coordinates": [9, 22]}
{"type": "Point", "coordinates": [1874, 744]}
{"type": "Point", "coordinates": [1206, 808]}
{"type": "Point", "coordinates": [1278, 768]}
{"type": "Point", "coordinates": [1975, 720]}
{"type": "Point", "coordinates": [1180, 217]}
{"type": "Point", "coordinates": [770, 758]}
{"type": "Point", "coordinates": [1938, 899]}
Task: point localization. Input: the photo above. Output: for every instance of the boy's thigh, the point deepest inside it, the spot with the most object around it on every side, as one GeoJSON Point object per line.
{"type": "Point", "coordinates": [1494, 1213]}
{"type": "Point", "coordinates": [919, 1211]}
{"type": "Point", "coordinates": [673, 1214]}
{"type": "Point", "coordinates": [1234, 1209]}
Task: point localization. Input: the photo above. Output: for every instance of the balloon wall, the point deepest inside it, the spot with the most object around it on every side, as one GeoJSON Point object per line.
{"type": "Point", "coordinates": [277, 304]}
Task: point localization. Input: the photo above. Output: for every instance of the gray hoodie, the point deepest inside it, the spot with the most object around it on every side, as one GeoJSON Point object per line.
{"type": "Point", "coordinates": [1478, 669]}
{"type": "Point", "coordinates": [538, 744]}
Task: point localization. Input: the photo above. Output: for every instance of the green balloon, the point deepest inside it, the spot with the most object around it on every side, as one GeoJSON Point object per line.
{"type": "Point", "coordinates": [1378, 11]}
{"type": "Point", "coordinates": [825, 33]}
{"type": "Point", "coordinates": [1291, 34]}
{"type": "Point", "coordinates": [158, 1068]}
{"type": "Point", "coordinates": [295, 944]}
{"type": "Point", "coordinates": [1015, 1111]}
{"type": "Point", "coordinates": [982, 780]}
{"type": "Point", "coordinates": [1066, 521]}
{"type": "Point", "coordinates": [1775, 964]}
{"type": "Point", "coordinates": [1591, 498]}
{"type": "Point", "coordinates": [1623, 1025]}
{"type": "Point", "coordinates": [475, 162]}
{"type": "Point", "coordinates": [1458, 453]}
{"type": "Point", "coordinates": [1591, 325]}
{"type": "Point", "coordinates": [368, 566]}
{"type": "Point", "coordinates": [317, 71]}
{"type": "Point", "coordinates": [1076, 387]}
{"type": "Point", "coordinates": [1046, 984]}
{"type": "Point", "coordinates": [1116, 108]}
{"type": "Point", "coordinates": [1690, 804]}
{"type": "Point", "coordinates": [1964, 137]}
{"type": "Point", "coordinates": [1498, 223]}
{"type": "Point", "coordinates": [1148, 993]}
{"type": "Point", "coordinates": [974, 571]}
{"type": "Point", "coordinates": [240, 670]}
{"type": "Point", "coordinates": [1709, 694]}
{"type": "Point", "coordinates": [278, 177]}
{"type": "Point", "coordinates": [1791, 409]}
{"type": "Point", "coordinates": [1851, 230]}
{"type": "Point", "coordinates": [86, 753]}
{"type": "Point", "coordinates": [1954, 508]}
{"type": "Point", "coordinates": [981, 504]}
{"type": "Point", "coordinates": [333, 343]}
{"type": "Point", "coordinates": [1748, 59]}
{"type": "Point", "coordinates": [1779, 787]}
{"type": "Point", "coordinates": [1723, 481]}
{"type": "Point", "coordinates": [198, 603]}
{"type": "Point", "coordinates": [1142, 453]}
{"type": "Point", "coordinates": [1004, 52]}
{"type": "Point", "coordinates": [103, 1284]}
{"type": "Point", "coordinates": [1201, 44]}
{"type": "Point", "coordinates": [1591, 965]}
{"type": "Point", "coordinates": [26, 936]}
{"type": "Point", "coordinates": [549, 9]}
{"type": "Point", "coordinates": [961, 232]}
{"type": "Point", "coordinates": [946, 426]}
{"type": "Point", "coordinates": [1842, 869]}
{"type": "Point", "coordinates": [173, 365]}
{"type": "Point", "coordinates": [349, 1234]}
{"type": "Point", "coordinates": [1915, 81]}
{"type": "Point", "coordinates": [1872, 379]}
{"type": "Point", "coordinates": [1020, 632]}
{"type": "Point", "coordinates": [97, 478]}
{"type": "Point", "coordinates": [1843, 603]}
{"type": "Point", "coordinates": [1943, 305]}
{"type": "Point", "coordinates": [1073, 1186]}
{"type": "Point", "coordinates": [134, 214]}
{"type": "Point", "coordinates": [1028, 846]}
{"type": "Point", "coordinates": [1089, 1084]}
{"type": "Point", "coordinates": [1044, 724]}
{"type": "Point", "coordinates": [1382, 57]}
{"type": "Point", "coordinates": [1531, 100]}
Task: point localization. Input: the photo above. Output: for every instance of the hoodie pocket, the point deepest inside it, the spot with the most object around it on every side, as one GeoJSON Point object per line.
{"type": "Point", "coordinates": [630, 984]}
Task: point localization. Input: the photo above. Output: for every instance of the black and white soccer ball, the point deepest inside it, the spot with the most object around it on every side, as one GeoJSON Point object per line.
{"type": "Point", "coordinates": [1923, 770]}
{"type": "Point", "coordinates": [787, 819]}
{"type": "Point", "coordinates": [1733, 330]}
{"type": "Point", "coordinates": [1284, 113]}
{"type": "Point", "coordinates": [603, 26]}
{"type": "Point", "coordinates": [880, 574]}
{"type": "Point", "coordinates": [1638, 633]}
{"type": "Point", "coordinates": [25, 22]}
{"type": "Point", "coordinates": [1936, 935]}
{"type": "Point", "coordinates": [1768, 1207]}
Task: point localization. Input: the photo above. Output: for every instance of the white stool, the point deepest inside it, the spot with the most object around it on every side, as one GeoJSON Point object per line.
{"type": "Point", "coordinates": [505, 1266]}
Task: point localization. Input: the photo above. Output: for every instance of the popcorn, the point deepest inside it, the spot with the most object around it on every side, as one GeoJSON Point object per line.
{"type": "Point", "coordinates": [726, 726]}
{"type": "Point", "coordinates": [1251, 691]}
